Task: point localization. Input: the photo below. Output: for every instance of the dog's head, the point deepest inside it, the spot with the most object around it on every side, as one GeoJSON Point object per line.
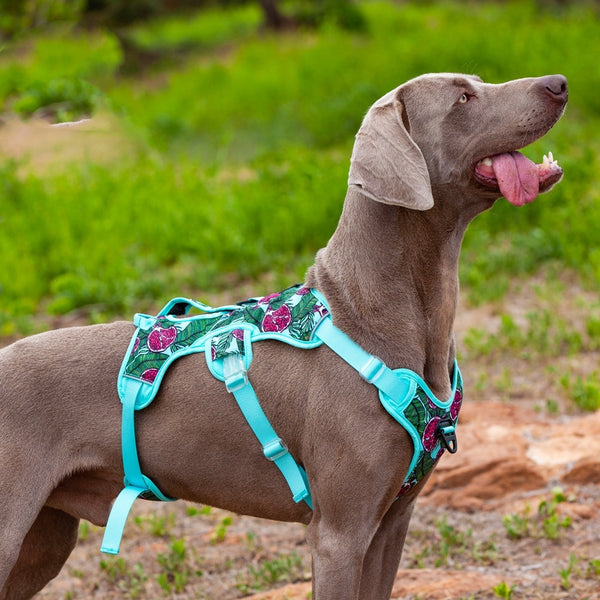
{"type": "Point", "coordinates": [450, 129]}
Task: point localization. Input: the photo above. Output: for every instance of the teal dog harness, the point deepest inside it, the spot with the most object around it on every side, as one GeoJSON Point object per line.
{"type": "Point", "coordinates": [298, 316]}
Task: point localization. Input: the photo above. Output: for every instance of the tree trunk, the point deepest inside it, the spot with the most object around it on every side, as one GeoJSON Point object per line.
{"type": "Point", "coordinates": [274, 19]}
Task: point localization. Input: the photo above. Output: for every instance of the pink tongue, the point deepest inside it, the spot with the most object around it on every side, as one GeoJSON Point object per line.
{"type": "Point", "coordinates": [517, 176]}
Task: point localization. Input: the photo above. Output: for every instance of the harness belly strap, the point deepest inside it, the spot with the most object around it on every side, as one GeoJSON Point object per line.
{"type": "Point", "coordinates": [297, 316]}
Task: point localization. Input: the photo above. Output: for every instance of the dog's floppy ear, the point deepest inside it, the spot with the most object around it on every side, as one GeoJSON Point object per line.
{"type": "Point", "coordinates": [386, 163]}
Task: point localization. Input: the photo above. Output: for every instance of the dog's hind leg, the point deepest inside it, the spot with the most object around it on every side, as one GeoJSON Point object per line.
{"type": "Point", "coordinates": [44, 551]}
{"type": "Point", "coordinates": [22, 497]}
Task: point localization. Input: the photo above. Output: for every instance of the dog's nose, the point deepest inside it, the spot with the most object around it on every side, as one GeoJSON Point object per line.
{"type": "Point", "coordinates": [555, 86]}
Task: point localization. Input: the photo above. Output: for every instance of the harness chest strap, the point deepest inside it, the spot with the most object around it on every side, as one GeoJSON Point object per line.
{"type": "Point", "coordinates": [397, 389]}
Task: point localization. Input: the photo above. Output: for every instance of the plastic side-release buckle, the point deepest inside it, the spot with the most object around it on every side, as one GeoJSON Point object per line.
{"type": "Point", "coordinates": [275, 449]}
{"type": "Point", "coordinates": [234, 373]}
{"type": "Point", "coordinates": [372, 369]}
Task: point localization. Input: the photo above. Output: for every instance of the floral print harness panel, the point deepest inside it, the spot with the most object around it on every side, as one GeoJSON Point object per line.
{"type": "Point", "coordinates": [290, 316]}
{"type": "Point", "coordinates": [298, 316]}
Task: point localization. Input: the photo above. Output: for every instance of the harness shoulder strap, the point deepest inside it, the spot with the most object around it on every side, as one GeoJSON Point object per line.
{"type": "Point", "coordinates": [396, 385]}
{"type": "Point", "coordinates": [406, 397]}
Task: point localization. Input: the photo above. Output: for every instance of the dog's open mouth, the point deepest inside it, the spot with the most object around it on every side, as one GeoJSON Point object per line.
{"type": "Point", "coordinates": [516, 177]}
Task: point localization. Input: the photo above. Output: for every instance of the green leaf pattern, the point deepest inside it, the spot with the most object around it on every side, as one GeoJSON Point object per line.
{"type": "Point", "coordinates": [424, 414]}
{"type": "Point", "coordinates": [292, 314]}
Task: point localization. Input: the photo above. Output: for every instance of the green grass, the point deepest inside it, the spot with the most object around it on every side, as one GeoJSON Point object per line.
{"type": "Point", "coordinates": [243, 145]}
{"type": "Point", "coordinates": [268, 573]}
{"type": "Point", "coordinates": [548, 522]}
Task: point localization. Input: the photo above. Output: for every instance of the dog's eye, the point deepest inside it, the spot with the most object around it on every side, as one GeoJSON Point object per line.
{"type": "Point", "coordinates": [463, 99]}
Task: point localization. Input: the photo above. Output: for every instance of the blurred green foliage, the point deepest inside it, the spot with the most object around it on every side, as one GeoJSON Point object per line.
{"type": "Point", "coordinates": [18, 17]}
{"type": "Point", "coordinates": [243, 140]}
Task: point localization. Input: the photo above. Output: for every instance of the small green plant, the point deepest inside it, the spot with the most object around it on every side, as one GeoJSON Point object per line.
{"type": "Point", "coordinates": [286, 568]}
{"type": "Point", "coordinates": [485, 552]}
{"type": "Point", "coordinates": [518, 525]}
{"type": "Point", "coordinates": [220, 531]}
{"type": "Point", "coordinates": [448, 544]}
{"type": "Point", "coordinates": [565, 574]}
{"type": "Point", "coordinates": [131, 581]}
{"type": "Point", "coordinates": [177, 568]}
{"type": "Point", "coordinates": [552, 406]}
{"type": "Point", "coordinates": [583, 391]}
{"type": "Point", "coordinates": [113, 568]}
{"type": "Point", "coordinates": [552, 522]}
{"type": "Point", "coordinates": [503, 590]}
{"type": "Point", "coordinates": [252, 542]}
{"type": "Point", "coordinates": [84, 530]}
{"type": "Point", "coordinates": [547, 522]}
{"type": "Point", "coordinates": [193, 511]}
{"type": "Point", "coordinates": [593, 569]}
{"type": "Point", "coordinates": [156, 525]}
{"type": "Point", "coordinates": [452, 541]}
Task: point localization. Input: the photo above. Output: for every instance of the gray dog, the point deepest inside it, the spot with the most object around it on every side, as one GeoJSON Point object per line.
{"type": "Point", "coordinates": [429, 156]}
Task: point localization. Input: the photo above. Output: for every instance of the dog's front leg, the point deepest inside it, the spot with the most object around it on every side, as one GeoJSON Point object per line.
{"type": "Point", "coordinates": [358, 559]}
{"type": "Point", "coordinates": [338, 550]}
{"type": "Point", "coordinates": [383, 557]}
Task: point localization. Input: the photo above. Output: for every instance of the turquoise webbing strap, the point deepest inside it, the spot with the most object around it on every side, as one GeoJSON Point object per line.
{"type": "Point", "coordinates": [136, 483]}
{"type": "Point", "coordinates": [118, 516]}
{"type": "Point", "coordinates": [369, 367]}
{"type": "Point", "coordinates": [273, 446]}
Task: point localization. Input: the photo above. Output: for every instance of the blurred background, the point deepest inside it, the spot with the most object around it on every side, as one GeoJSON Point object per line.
{"type": "Point", "coordinates": [219, 135]}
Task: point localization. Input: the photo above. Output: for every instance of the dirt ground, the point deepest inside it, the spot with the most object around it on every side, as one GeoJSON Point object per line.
{"type": "Point", "coordinates": [514, 514]}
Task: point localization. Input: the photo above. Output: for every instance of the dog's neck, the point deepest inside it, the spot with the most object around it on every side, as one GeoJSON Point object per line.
{"type": "Point", "coordinates": [390, 276]}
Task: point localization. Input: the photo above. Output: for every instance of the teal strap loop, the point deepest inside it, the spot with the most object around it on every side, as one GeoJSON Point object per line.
{"type": "Point", "coordinates": [113, 533]}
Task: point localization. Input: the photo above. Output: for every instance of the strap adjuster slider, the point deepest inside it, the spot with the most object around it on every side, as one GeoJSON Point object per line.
{"type": "Point", "coordinates": [372, 369]}
{"type": "Point", "coordinates": [275, 449]}
{"type": "Point", "coordinates": [234, 373]}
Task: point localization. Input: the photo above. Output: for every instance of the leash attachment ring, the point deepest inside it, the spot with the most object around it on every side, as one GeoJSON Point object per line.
{"type": "Point", "coordinates": [446, 433]}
